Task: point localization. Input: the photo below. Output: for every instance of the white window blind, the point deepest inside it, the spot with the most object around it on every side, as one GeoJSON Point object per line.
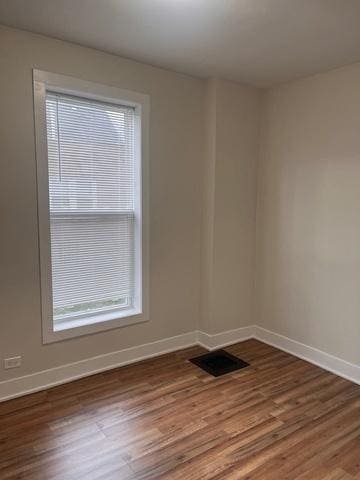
{"type": "Point", "coordinates": [92, 205]}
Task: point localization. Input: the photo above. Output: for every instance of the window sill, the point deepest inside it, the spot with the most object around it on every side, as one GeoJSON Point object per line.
{"type": "Point", "coordinates": [89, 325]}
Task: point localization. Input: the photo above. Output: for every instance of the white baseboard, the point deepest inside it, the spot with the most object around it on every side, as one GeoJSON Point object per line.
{"type": "Point", "coordinates": [66, 373]}
{"type": "Point", "coordinates": [333, 364]}
{"type": "Point", "coordinates": [223, 339]}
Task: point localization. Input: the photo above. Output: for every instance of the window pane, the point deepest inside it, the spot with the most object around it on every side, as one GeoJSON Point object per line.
{"type": "Point", "coordinates": [91, 190]}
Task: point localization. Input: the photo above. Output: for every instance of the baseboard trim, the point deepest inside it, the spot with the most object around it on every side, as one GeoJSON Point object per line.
{"type": "Point", "coordinates": [73, 371]}
{"type": "Point", "coordinates": [333, 364]}
{"type": "Point", "coordinates": [223, 339]}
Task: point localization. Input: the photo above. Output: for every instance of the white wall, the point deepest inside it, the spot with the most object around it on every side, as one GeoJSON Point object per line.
{"type": "Point", "coordinates": [308, 226]}
{"type": "Point", "coordinates": [176, 166]}
{"type": "Point", "coordinates": [233, 120]}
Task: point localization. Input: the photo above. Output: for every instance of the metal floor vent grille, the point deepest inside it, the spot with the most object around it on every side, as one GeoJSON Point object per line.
{"type": "Point", "coordinates": [219, 362]}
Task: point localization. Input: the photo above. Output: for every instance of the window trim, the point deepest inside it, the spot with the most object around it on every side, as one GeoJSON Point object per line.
{"type": "Point", "coordinates": [46, 81]}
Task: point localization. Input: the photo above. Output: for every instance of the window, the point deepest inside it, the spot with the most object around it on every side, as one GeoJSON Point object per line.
{"type": "Point", "coordinates": [91, 190]}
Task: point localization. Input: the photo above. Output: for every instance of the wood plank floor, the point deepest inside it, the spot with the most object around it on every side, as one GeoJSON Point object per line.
{"type": "Point", "coordinates": [164, 418]}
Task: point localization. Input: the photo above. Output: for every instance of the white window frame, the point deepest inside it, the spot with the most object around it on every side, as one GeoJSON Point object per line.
{"type": "Point", "coordinates": [42, 83]}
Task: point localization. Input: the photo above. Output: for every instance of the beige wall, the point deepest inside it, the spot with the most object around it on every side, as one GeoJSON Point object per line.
{"type": "Point", "coordinates": [176, 156]}
{"type": "Point", "coordinates": [208, 204]}
{"type": "Point", "coordinates": [205, 190]}
{"type": "Point", "coordinates": [233, 116]}
{"type": "Point", "coordinates": [308, 225]}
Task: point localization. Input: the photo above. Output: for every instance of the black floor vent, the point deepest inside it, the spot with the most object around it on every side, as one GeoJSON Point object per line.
{"type": "Point", "coordinates": [219, 362]}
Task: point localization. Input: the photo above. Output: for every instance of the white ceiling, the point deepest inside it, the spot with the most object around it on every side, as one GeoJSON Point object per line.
{"type": "Point", "coordinates": [261, 42]}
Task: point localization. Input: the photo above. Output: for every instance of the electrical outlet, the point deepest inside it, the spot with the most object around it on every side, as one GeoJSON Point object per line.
{"type": "Point", "coordinates": [13, 362]}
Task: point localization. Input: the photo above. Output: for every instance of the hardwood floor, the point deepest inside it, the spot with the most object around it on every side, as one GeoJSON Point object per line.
{"type": "Point", "coordinates": [164, 418]}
